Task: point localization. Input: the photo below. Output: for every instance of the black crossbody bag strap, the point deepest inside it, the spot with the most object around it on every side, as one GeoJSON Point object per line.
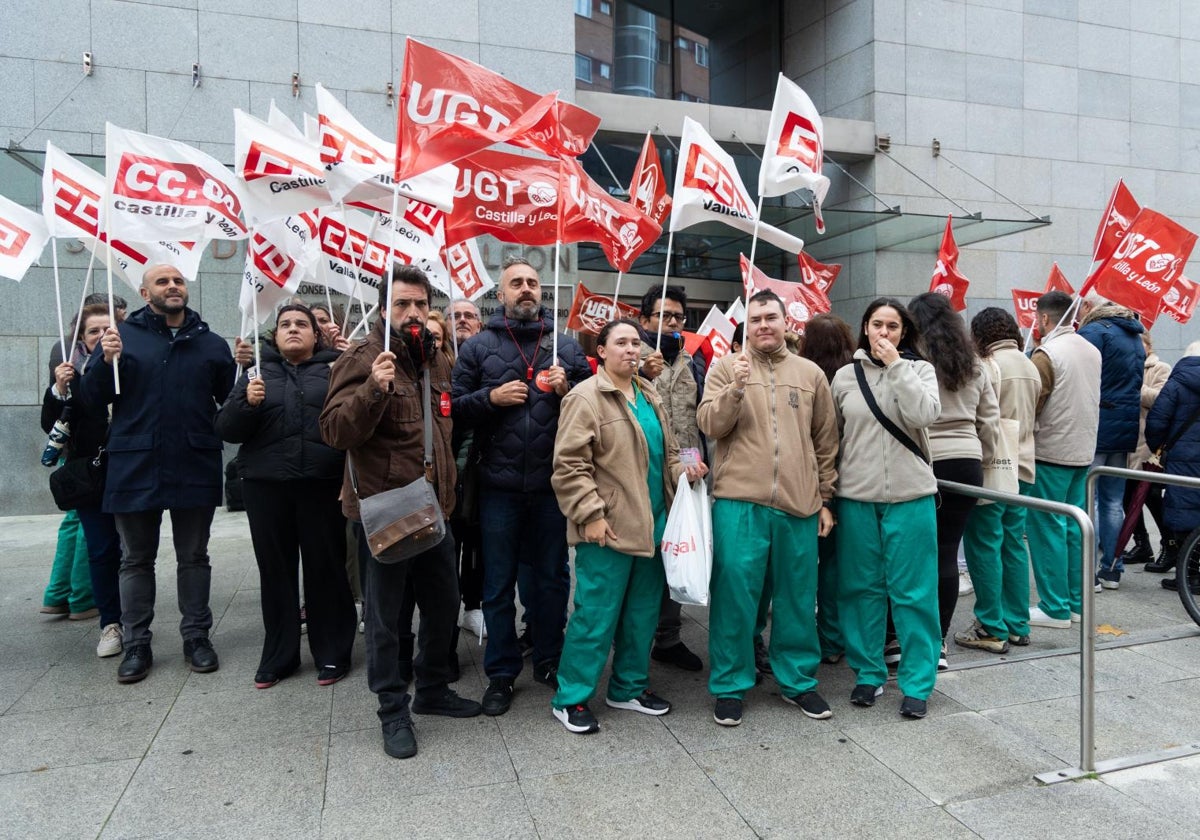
{"type": "Point", "coordinates": [1166, 447]}
{"type": "Point", "coordinates": [895, 431]}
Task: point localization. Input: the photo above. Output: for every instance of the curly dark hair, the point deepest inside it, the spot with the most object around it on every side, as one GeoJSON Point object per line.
{"type": "Point", "coordinates": [829, 342]}
{"type": "Point", "coordinates": [991, 325]}
{"type": "Point", "coordinates": [949, 346]}
{"type": "Point", "coordinates": [910, 339]}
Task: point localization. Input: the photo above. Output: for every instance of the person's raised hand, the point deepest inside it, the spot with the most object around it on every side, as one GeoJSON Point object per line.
{"type": "Point", "coordinates": [63, 374]}
{"type": "Point", "coordinates": [383, 372]}
{"type": "Point", "coordinates": [111, 345]}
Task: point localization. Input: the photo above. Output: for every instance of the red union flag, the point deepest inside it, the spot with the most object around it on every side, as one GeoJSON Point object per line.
{"type": "Point", "coordinates": [1180, 300]}
{"type": "Point", "coordinates": [648, 190]}
{"type": "Point", "coordinates": [451, 107]}
{"type": "Point", "coordinates": [947, 279]}
{"type": "Point", "coordinates": [1119, 215]}
{"type": "Point", "coordinates": [1025, 307]}
{"type": "Point", "coordinates": [283, 174]}
{"type": "Point", "coordinates": [800, 301]}
{"type": "Point", "coordinates": [817, 274]}
{"type": "Point", "coordinates": [164, 189]}
{"type": "Point", "coordinates": [709, 189]}
{"type": "Point", "coordinates": [590, 311]}
{"type": "Point", "coordinates": [590, 214]}
{"type": "Point", "coordinates": [1057, 281]}
{"type": "Point", "coordinates": [71, 198]}
{"type": "Point", "coordinates": [467, 271]}
{"type": "Point", "coordinates": [511, 197]}
{"type": "Point", "coordinates": [794, 151]}
{"type": "Point", "coordinates": [23, 235]}
{"type": "Point", "coordinates": [359, 163]}
{"type": "Point", "coordinates": [1146, 262]}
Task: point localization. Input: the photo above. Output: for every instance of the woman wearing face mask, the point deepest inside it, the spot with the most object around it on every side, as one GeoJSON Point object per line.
{"type": "Point", "coordinates": [616, 465]}
{"type": "Point", "coordinates": [291, 480]}
{"type": "Point", "coordinates": [88, 425]}
{"type": "Point", "coordinates": [887, 528]}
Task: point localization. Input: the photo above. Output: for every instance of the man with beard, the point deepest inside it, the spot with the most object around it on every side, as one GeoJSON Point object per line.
{"type": "Point", "coordinates": [508, 387]}
{"type": "Point", "coordinates": [163, 454]}
{"type": "Point", "coordinates": [375, 412]}
{"type": "Point", "coordinates": [679, 380]}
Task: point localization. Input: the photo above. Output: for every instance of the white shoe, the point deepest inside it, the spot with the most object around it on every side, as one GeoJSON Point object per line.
{"type": "Point", "coordinates": [965, 587]}
{"type": "Point", "coordinates": [110, 641]}
{"type": "Point", "coordinates": [1037, 618]}
{"type": "Point", "coordinates": [1076, 618]}
{"type": "Point", "coordinates": [472, 620]}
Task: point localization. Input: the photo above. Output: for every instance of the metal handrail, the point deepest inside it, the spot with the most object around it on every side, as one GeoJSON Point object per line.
{"type": "Point", "coordinates": [1087, 627]}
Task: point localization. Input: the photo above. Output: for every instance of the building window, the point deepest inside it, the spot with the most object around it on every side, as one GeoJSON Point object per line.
{"type": "Point", "coordinates": [605, 7]}
{"type": "Point", "coordinates": [663, 54]}
{"type": "Point", "coordinates": [583, 68]}
{"type": "Point", "coordinates": [701, 55]}
{"type": "Point", "coordinates": [583, 8]}
{"type": "Point", "coordinates": [605, 70]}
{"type": "Point", "coordinates": [683, 43]}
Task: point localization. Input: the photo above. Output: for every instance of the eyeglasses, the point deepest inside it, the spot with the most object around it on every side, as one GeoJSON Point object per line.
{"type": "Point", "coordinates": [671, 316]}
{"type": "Point", "coordinates": [465, 316]}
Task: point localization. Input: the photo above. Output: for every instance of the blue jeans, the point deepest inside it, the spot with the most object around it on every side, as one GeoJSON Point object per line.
{"type": "Point", "coordinates": [523, 528]}
{"type": "Point", "coordinates": [1109, 514]}
{"type": "Point", "coordinates": [104, 559]}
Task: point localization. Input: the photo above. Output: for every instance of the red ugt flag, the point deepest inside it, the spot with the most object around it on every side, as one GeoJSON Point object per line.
{"type": "Point", "coordinates": [451, 107]}
{"type": "Point", "coordinates": [590, 214]}
{"type": "Point", "coordinates": [1025, 307]}
{"type": "Point", "coordinates": [947, 279]}
{"type": "Point", "coordinates": [1119, 215]}
{"type": "Point", "coordinates": [800, 301]}
{"type": "Point", "coordinates": [648, 190]}
{"type": "Point", "coordinates": [817, 274]}
{"type": "Point", "coordinates": [1057, 282]}
{"type": "Point", "coordinates": [1180, 300]}
{"type": "Point", "coordinates": [1146, 262]}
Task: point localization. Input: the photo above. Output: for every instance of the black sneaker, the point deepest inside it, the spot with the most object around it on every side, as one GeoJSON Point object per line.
{"type": "Point", "coordinates": [762, 658]}
{"type": "Point", "coordinates": [136, 664]}
{"type": "Point", "coordinates": [1172, 583]}
{"type": "Point", "coordinates": [811, 703]}
{"type": "Point", "coordinates": [546, 674]}
{"type": "Point", "coordinates": [865, 695]}
{"type": "Point", "coordinates": [329, 674]}
{"type": "Point", "coordinates": [578, 719]}
{"type": "Point", "coordinates": [525, 641]}
{"type": "Point", "coordinates": [728, 711]}
{"type": "Point", "coordinates": [677, 655]}
{"type": "Point", "coordinates": [445, 703]}
{"type": "Point", "coordinates": [399, 739]}
{"type": "Point", "coordinates": [911, 707]}
{"type": "Point", "coordinates": [648, 703]}
{"type": "Point", "coordinates": [200, 655]}
{"type": "Point", "coordinates": [498, 697]}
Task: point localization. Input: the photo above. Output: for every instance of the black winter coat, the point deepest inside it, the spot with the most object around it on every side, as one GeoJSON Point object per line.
{"type": "Point", "coordinates": [163, 452]}
{"type": "Point", "coordinates": [1118, 337]}
{"type": "Point", "coordinates": [1177, 401]}
{"type": "Point", "coordinates": [280, 437]}
{"type": "Point", "coordinates": [516, 442]}
{"type": "Point", "coordinates": [88, 424]}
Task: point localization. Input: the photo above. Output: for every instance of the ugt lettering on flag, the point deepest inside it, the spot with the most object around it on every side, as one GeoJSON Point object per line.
{"type": "Point", "coordinates": [1142, 269]}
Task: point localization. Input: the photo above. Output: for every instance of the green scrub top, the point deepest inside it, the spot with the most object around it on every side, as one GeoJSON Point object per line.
{"type": "Point", "coordinates": [644, 413]}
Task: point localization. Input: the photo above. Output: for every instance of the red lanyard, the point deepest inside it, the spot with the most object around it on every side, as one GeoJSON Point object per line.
{"type": "Point", "coordinates": [529, 363]}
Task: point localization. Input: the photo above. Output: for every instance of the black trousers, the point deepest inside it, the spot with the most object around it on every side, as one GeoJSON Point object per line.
{"type": "Point", "coordinates": [952, 516]}
{"type": "Point", "coordinates": [434, 581]}
{"type": "Point", "coordinates": [294, 522]}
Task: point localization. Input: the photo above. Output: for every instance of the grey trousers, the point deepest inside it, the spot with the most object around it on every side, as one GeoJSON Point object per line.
{"type": "Point", "coordinates": [139, 533]}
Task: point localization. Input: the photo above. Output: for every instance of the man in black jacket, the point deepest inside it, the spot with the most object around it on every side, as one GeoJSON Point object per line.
{"type": "Point", "coordinates": [508, 386]}
{"type": "Point", "coordinates": [163, 454]}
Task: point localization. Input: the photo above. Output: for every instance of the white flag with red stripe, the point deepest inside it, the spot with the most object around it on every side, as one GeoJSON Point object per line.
{"type": "Point", "coordinates": [283, 174]}
{"type": "Point", "coordinates": [72, 193]}
{"type": "Point", "coordinates": [795, 148]}
{"type": "Point", "coordinates": [23, 235]}
{"type": "Point", "coordinates": [709, 189]}
{"type": "Point", "coordinates": [467, 272]}
{"type": "Point", "coordinates": [271, 272]}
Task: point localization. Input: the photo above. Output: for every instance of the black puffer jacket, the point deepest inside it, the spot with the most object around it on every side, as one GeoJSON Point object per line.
{"type": "Point", "coordinates": [88, 423]}
{"type": "Point", "coordinates": [280, 438]}
{"type": "Point", "coordinates": [517, 442]}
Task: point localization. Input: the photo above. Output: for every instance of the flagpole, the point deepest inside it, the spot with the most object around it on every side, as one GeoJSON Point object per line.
{"type": "Point", "coordinates": [112, 316]}
{"type": "Point", "coordinates": [754, 238]}
{"type": "Point", "coordinates": [387, 315]}
{"type": "Point", "coordinates": [617, 294]}
{"type": "Point", "coordinates": [255, 326]}
{"type": "Point", "coordinates": [360, 324]}
{"type": "Point", "coordinates": [662, 301]}
{"type": "Point", "coordinates": [451, 325]}
{"type": "Point", "coordinates": [329, 302]}
{"type": "Point", "coordinates": [82, 297]}
{"type": "Point", "coordinates": [557, 249]}
{"type": "Point", "coordinates": [58, 301]}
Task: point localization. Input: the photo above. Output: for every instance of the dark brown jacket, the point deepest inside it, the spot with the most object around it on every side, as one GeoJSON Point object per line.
{"type": "Point", "coordinates": [381, 432]}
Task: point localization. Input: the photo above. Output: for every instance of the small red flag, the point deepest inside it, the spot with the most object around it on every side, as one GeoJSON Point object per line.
{"type": "Point", "coordinates": [1146, 262]}
{"type": "Point", "coordinates": [800, 301]}
{"type": "Point", "coordinates": [947, 279]}
{"type": "Point", "coordinates": [1025, 307]}
{"type": "Point", "coordinates": [1057, 281]}
{"type": "Point", "coordinates": [817, 274]}
{"type": "Point", "coordinates": [648, 190]}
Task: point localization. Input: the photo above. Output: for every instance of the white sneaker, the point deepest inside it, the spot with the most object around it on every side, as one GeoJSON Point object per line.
{"type": "Point", "coordinates": [1076, 618]}
{"type": "Point", "coordinates": [110, 641]}
{"type": "Point", "coordinates": [965, 587]}
{"type": "Point", "coordinates": [472, 620]}
{"type": "Point", "coordinates": [1037, 618]}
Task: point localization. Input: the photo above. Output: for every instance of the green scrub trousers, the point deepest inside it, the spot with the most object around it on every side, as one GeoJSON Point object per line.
{"type": "Point", "coordinates": [888, 553]}
{"type": "Point", "coordinates": [1055, 570]}
{"type": "Point", "coordinates": [755, 546]}
{"type": "Point", "coordinates": [70, 577]}
{"type": "Point", "coordinates": [994, 544]}
{"type": "Point", "coordinates": [617, 598]}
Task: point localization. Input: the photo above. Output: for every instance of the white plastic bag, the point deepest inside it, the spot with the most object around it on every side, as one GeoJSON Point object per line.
{"type": "Point", "coordinates": [687, 544]}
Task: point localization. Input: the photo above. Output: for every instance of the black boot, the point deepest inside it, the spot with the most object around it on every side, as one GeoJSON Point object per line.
{"type": "Point", "coordinates": [1139, 552]}
{"type": "Point", "coordinates": [1167, 556]}
{"type": "Point", "coordinates": [1172, 584]}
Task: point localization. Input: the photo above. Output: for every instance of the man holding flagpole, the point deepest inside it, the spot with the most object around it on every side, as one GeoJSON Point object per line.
{"type": "Point", "coordinates": [163, 454]}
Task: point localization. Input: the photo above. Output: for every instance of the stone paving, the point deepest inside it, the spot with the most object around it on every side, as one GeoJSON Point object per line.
{"type": "Point", "coordinates": [208, 756]}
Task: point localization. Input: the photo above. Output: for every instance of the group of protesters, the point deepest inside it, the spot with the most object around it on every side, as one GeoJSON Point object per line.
{"type": "Point", "coordinates": [823, 453]}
